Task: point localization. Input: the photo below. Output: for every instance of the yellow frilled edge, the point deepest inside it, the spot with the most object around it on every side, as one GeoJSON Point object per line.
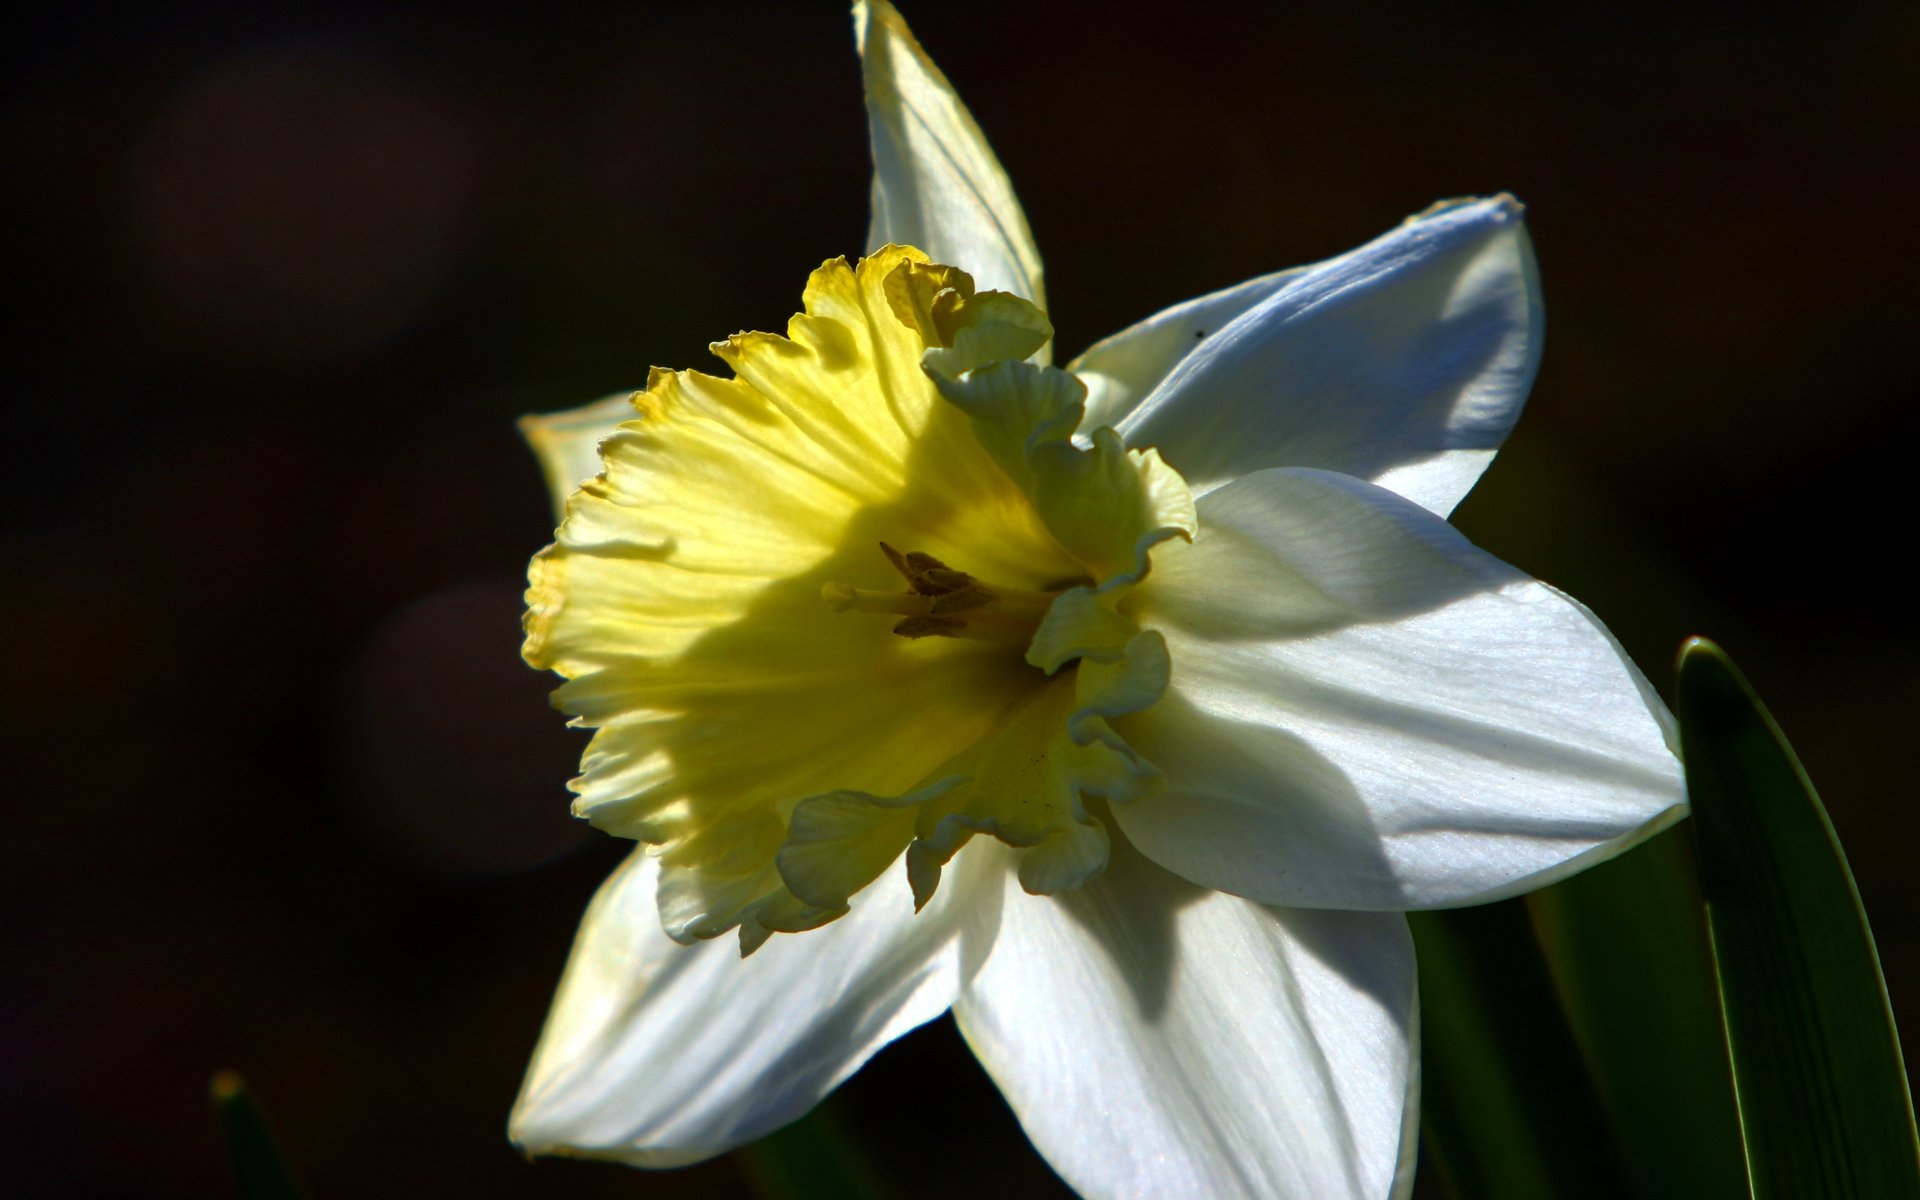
{"type": "Point", "coordinates": [779, 754]}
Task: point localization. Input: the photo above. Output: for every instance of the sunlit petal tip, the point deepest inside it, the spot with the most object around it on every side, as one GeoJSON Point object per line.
{"type": "Point", "coordinates": [1333, 746]}
{"type": "Point", "coordinates": [936, 182]}
{"type": "Point", "coordinates": [1498, 208]}
{"type": "Point", "coordinates": [567, 444]}
{"type": "Point", "coordinates": [1404, 363]}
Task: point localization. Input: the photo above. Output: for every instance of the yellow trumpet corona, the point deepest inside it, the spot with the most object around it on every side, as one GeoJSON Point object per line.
{"type": "Point", "coordinates": [683, 601]}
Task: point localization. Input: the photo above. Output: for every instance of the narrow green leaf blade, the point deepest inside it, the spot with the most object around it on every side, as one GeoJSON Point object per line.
{"type": "Point", "coordinates": [1508, 1112]}
{"type": "Point", "coordinates": [1626, 944]}
{"type": "Point", "coordinates": [259, 1170]}
{"type": "Point", "coordinates": [1824, 1102]}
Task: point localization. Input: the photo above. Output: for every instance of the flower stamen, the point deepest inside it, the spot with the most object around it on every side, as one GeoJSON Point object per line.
{"type": "Point", "coordinates": [943, 602]}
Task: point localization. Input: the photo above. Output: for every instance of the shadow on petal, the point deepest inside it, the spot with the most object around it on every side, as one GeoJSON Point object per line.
{"type": "Point", "coordinates": [1249, 808]}
{"type": "Point", "coordinates": [1415, 347]}
{"type": "Point", "coordinates": [1290, 554]}
{"type": "Point", "coordinates": [1131, 910]}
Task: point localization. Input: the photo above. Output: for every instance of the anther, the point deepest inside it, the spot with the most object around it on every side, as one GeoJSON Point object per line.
{"type": "Point", "coordinates": [941, 601]}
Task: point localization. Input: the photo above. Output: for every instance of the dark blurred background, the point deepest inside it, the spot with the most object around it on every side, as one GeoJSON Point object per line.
{"type": "Point", "coordinates": [280, 794]}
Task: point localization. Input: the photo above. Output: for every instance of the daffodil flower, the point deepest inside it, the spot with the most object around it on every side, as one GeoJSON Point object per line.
{"type": "Point", "coordinates": [1121, 709]}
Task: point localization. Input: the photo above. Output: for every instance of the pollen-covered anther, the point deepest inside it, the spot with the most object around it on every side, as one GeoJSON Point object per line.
{"type": "Point", "coordinates": [943, 602]}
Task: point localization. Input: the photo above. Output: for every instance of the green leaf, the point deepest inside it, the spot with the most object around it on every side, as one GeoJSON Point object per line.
{"type": "Point", "coordinates": [811, 1159]}
{"type": "Point", "coordinates": [259, 1170]}
{"type": "Point", "coordinates": [1508, 1111]}
{"type": "Point", "coordinates": [1626, 944]}
{"type": "Point", "coordinates": [1823, 1096]}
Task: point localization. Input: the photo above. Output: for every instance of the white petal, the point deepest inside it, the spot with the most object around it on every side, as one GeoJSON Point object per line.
{"type": "Point", "coordinates": [1157, 1039]}
{"type": "Point", "coordinates": [1404, 363]}
{"type": "Point", "coordinates": [936, 182]}
{"type": "Point", "coordinates": [568, 443]}
{"type": "Point", "coordinates": [658, 1054]}
{"type": "Point", "coordinates": [1120, 370]}
{"type": "Point", "coordinates": [1409, 1165]}
{"type": "Point", "coordinates": [1366, 711]}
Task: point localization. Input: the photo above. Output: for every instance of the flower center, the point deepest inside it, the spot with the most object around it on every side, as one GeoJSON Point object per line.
{"type": "Point", "coordinates": [943, 602]}
{"type": "Point", "coordinates": [778, 761]}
